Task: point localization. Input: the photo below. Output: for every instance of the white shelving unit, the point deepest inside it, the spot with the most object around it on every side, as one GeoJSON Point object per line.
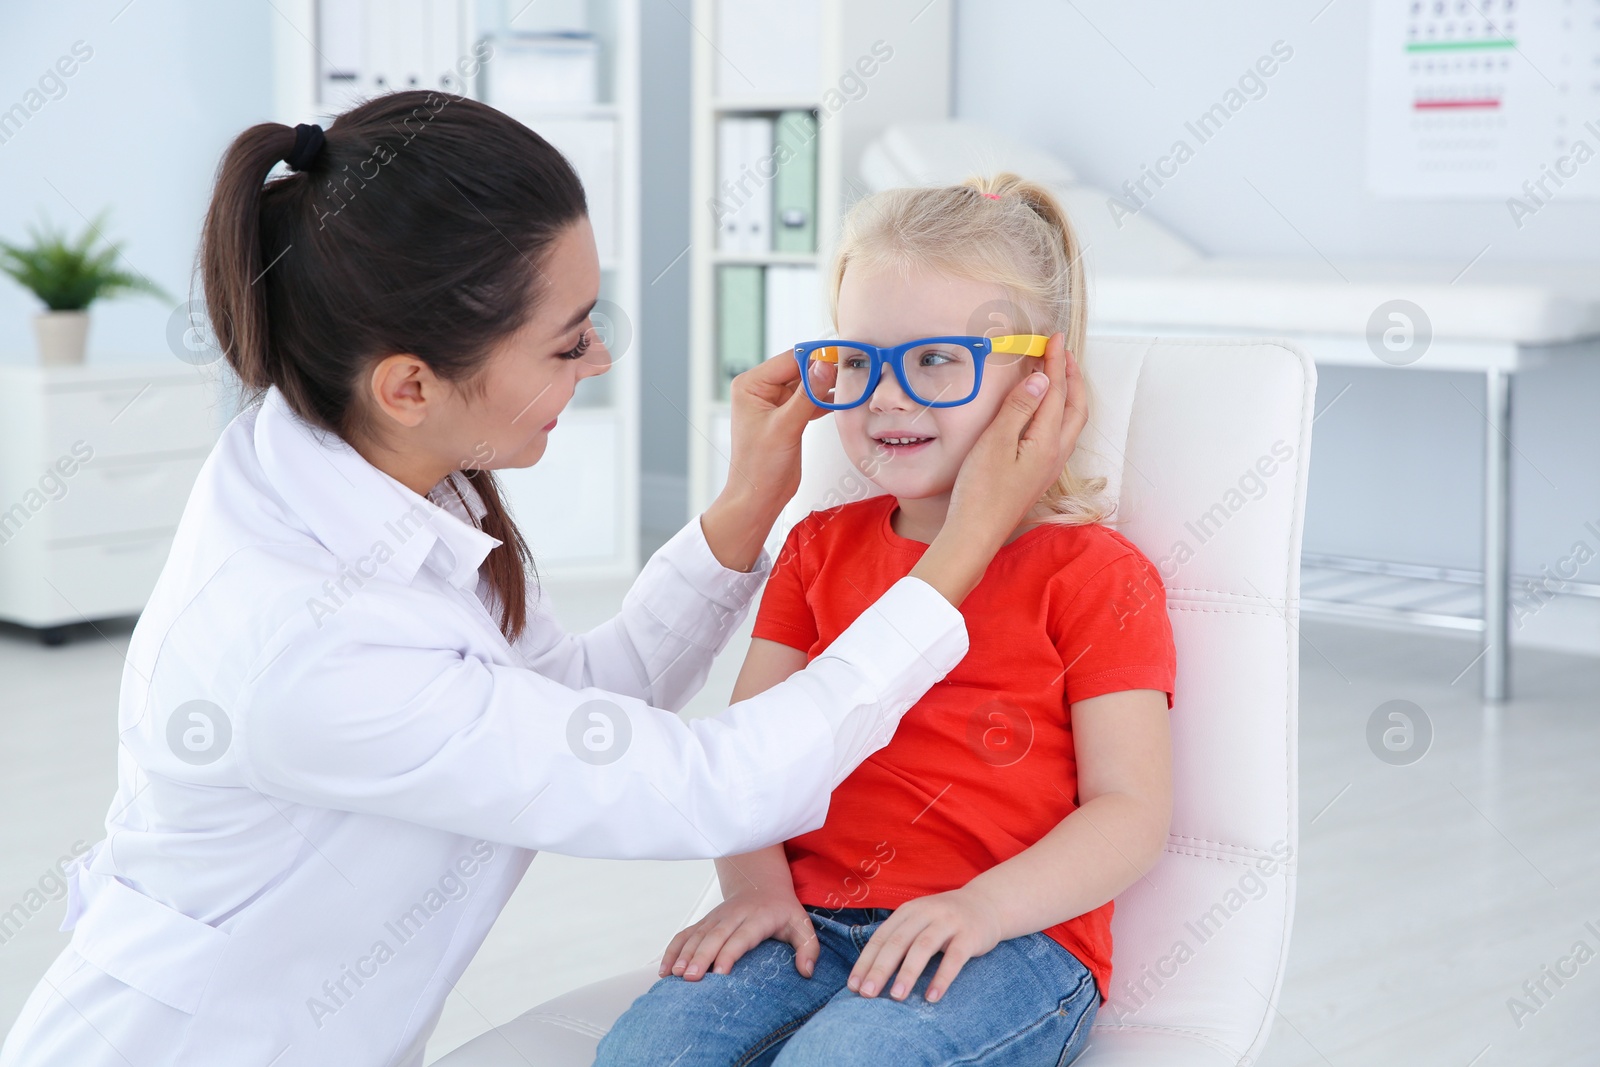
{"type": "Point", "coordinates": [852, 107]}
{"type": "Point", "coordinates": [96, 465]}
{"type": "Point", "coordinates": [578, 506]}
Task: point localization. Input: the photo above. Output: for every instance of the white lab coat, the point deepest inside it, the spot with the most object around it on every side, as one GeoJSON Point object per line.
{"type": "Point", "coordinates": [333, 769]}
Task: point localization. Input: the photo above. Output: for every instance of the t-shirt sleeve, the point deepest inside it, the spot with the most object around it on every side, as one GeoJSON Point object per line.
{"type": "Point", "coordinates": [785, 615]}
{"type": "Point", "coordinates": [1113, 632]}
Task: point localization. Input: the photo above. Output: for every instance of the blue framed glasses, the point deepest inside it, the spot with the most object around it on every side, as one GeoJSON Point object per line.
{"type": "Point", "coordinates": [936, 372]}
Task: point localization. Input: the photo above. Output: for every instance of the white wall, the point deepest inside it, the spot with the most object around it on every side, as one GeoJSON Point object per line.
{"type": "Point", "coordinates": [139, 129]}
{"type": "Point", "coordinates": [1108, 86]}
{"type": "Point", "coordinates": [142, 124]}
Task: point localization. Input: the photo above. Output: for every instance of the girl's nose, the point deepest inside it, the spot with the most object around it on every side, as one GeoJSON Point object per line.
{"type": "Point", "coordinates": [888, 394]}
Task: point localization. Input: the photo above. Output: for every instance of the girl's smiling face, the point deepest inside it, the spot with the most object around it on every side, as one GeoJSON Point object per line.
{"type": "Point", "coordinates": [883, 307]}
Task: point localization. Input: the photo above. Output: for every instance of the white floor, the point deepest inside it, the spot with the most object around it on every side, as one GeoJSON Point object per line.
{"type": "Point", "coordinates": [1429, 893]}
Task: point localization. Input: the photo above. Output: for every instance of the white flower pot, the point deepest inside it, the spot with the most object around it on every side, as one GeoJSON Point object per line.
{"type": "Point", "coordinates": [63, 336]}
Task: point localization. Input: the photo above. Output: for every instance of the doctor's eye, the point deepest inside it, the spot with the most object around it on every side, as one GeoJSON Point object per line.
{"type": "Point", "coordinates": [580, 348]}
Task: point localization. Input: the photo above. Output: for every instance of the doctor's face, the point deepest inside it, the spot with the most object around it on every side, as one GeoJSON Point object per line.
{"type": "Point", "coordinates": [531, 375]}
{"type": "Point", "coordinates": [882, 307]}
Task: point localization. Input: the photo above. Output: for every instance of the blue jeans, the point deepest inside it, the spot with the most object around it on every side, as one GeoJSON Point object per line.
{"type": "Point", "coordinates": [1027, 1001]}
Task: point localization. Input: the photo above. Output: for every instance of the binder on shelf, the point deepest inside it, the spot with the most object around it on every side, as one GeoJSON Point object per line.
{"type": "Point", "coordinates": [794, 186]}
{"type": "Point", "coordinates": [740, 330]}
{"type": "Point", "coordinates": [756, 211]}
{"type": "Point", "coordinates": [744, 198]}
{"type": "Point", "coordinates": [730, 150]}
{"type": "Point", "coordinates": [364, 49]}
{"type": "Point", "coordinates": [793, 309]}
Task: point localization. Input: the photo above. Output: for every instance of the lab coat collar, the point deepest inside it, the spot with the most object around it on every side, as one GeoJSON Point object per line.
{"type": "Point", "coordinates": [366, 518]}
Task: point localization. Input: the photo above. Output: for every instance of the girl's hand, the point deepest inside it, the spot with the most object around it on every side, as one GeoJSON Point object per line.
{"type": "Point", "coordinates": [1024, 449]}
{"type": "Point", "coordinates": [770, 411]}
{"type": "Point", "coordinates": [736, 926]}
{"type": "Point", "coordinates": [960, 923]}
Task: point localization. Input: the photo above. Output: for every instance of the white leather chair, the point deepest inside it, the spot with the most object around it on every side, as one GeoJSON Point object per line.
{"type": "Point", "coordinates": [1205, 443]}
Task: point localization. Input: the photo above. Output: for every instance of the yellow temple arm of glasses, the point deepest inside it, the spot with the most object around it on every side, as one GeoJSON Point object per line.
{"type": "Point", "coordinates": [1025, 344]}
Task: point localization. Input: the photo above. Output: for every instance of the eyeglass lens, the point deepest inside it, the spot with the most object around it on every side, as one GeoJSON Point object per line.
{"type": "Point", "coordinates": [936, 372]}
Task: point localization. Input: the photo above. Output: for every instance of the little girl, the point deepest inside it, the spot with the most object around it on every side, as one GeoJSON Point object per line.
{"type": "Point", "coordinates": [955, 906]}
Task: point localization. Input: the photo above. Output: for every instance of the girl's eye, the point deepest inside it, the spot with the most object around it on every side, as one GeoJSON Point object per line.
{"type": "Point", "coordinates": [581, 347]}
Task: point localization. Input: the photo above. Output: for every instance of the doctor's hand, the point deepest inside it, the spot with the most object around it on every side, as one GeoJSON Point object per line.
{"type": "Point", "coordinates": [1025, 446]}
{"type": "Point", "coordinates": [737, 925]}
{"type": "Point", "coordinates": [770, 412]}
{"type": "Point", "coordinates": [960, 923]}
{"type": "Point", "coordinates": [1021, 453]}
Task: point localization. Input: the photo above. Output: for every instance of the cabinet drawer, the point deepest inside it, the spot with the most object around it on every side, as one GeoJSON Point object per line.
{"type": "Point", "coordinates": [96, 581]}
{"type": "Point", "coordinates": [130, 417]}
{"type": "Point", "coordinates": [107, 496]}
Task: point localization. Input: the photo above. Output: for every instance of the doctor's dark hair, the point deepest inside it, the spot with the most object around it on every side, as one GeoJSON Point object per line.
{"type": "Point", "coordinates": [419, 227]}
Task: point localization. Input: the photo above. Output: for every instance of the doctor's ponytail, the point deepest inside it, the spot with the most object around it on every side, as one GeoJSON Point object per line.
{"type": "Point", "coordinates": [417, 225]}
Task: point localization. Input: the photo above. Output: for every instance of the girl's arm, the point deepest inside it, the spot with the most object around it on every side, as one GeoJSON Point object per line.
{"type": "Point", "coordinates": [758, 899]}
{"type": "Point", "coordinates": [1124, 750]}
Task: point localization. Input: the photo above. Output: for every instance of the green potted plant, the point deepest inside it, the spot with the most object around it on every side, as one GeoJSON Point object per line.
{"type": "Point", "coordinates": [68, 276]}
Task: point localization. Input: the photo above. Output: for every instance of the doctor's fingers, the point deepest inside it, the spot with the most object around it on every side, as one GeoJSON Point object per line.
{"type": "Point", "coordinates": [1055, 413]}
{"type": "Point", "coordinates": [1075, 415]}
{"type": "Point", "coordinates": [776, 382]}
{"type": "Point", "coordinates": [773, 381]}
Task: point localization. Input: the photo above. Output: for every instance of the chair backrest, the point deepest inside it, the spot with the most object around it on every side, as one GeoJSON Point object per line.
{"type": "Point", "coordinates": [1204, 444]}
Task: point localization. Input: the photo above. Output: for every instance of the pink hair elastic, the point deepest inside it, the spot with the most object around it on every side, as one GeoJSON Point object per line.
{"type": "Point", "coordinates": [992, 196]}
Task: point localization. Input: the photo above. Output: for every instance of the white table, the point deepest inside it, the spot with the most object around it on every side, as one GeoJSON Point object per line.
{"type": "Point", "coordinates": [1492, 320]}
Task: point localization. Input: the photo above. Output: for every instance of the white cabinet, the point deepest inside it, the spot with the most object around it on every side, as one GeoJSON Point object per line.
{"type": "Point", "coordinates": [568, 504]}
{"type": "Point", "coordinates": [96, 465]}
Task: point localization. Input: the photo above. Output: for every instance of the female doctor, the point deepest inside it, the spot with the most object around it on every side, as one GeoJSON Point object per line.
{"type": "Point", "coordinates": [344, 729]}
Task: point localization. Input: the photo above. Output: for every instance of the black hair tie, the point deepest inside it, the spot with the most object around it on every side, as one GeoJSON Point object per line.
{"type": "Point", "coordinates": [308, 142]}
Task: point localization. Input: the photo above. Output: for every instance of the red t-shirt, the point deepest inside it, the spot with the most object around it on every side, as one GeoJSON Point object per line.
{"type": "Point", "coordinates": [982, 766]}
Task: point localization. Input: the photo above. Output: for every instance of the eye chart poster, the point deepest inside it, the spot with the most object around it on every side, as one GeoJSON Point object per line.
{"type": "Point", "coordinates": [1470, 99]}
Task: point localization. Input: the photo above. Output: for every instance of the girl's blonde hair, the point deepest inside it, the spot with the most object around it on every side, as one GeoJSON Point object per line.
{"type": "Point", "coordinates": [999, 228]}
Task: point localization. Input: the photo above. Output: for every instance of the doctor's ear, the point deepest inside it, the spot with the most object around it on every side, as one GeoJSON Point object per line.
{"type": "Point", "coordinates": [402, 387]}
